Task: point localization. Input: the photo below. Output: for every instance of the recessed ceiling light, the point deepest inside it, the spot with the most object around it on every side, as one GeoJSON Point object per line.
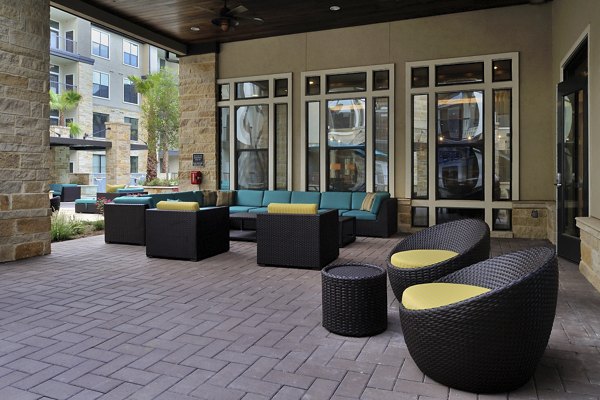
{"type": "Point", "coordinates": [195, 28]}
{"type": "Point", "coordinates": [335, 8]}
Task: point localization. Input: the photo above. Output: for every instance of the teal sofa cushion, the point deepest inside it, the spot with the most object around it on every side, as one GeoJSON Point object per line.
{"type": "Point", "coordinates": [379, 197]}
{"type": "Point", "coordinates": [306, 197]}
{"type": "Point", "coordinates": [130, 190]}
{"type": "Point", "coordinates": [69, 185]}
{"type": "Point", "coordinates": [322, 210]}
{"type": "Point", "coordinates": [259, 210]}
{"type": "Point", "coordinates": [339, 200]}
{"type": "Point", "coordinates": [357, 199]}
{"type": "Point", "coordinates": [360, 215]}
{"type": "Point", "coordinates": [238, 209]}
{"type": "Point", "coordinates": [250, 198]}
{"type": "Point", "coordinates": [56, 188]}
{"type": "Point", "coordinates": [85, 201]}
{"type": "Point", "coordinates": [134, 200]}
{"type": "Point", "coordinates": [276, 196]}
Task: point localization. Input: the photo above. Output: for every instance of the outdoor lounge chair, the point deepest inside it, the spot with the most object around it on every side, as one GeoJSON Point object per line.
{"type": "Point", "coordinates": [491, 342]}
{"type": "Point", "coordinates": [297, 240]}
{"type": "Point", "coordinates": [125, 223]}
{"type": "Point", "coordinates": [469, 238]}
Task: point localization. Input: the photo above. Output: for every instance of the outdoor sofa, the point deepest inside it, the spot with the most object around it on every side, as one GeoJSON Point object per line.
{"type": "Point", "coordinates": [66, 191]}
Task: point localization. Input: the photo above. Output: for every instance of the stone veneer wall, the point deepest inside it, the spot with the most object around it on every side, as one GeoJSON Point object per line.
{"type": "Point", "coordinates": [198, 122]}
{"type": "Point", "coordinates": [117, 157]}
{"type": "Point", "coordinates": [24, 129]}
{"type": "Point", "coordinates": [589, 266]}
{"type": "Point", "coordinates": [85, 107]}
{"type": "Point", "coordinates": [534, 220]}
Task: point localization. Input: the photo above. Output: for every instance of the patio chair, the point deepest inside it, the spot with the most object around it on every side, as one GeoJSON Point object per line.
{"type": "Point", "coordinates": [297, 240]}
{"type": "Point", "coordinates": [55, 203]}
{"type": "Point", "coordinates": [462, 243]}
{"type": "Point", "coordinates": [125, 223]}
{"type": "Point", "coordinates": [492, 341]}
{"type": "Point", "coordinates": [189, 235]}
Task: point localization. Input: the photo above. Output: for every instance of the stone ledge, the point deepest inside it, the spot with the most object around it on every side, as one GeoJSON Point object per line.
{"type": "Point", "coordinates": [589, 224]}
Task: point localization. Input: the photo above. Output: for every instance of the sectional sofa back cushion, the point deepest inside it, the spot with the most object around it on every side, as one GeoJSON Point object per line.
{"type": "Point", "coordinates": [56, 188]}
{"type": "Point", "coordinates": [276, 196]}
{"type": "Point", "coordinates": [250, 198]}
{"type": "Point", "coordinates": [178, 205]}
{"type": "Point", "coordinates": [209, 198]}
{"type": "Point", "coordinates": [134, 200]}
{"type": "Point", "coordinates": [131, 190]}
{"type": "Point", "coordinates": [379, 198]}
{"type": "Point", "coordinates": [225, 198]}
{"type": "Point", "coordinates": [306, 197]}
{"type": "Point", "coordinates": [287, 208]}
{"type": "Point", "coordinates": [338, 200]}
{"type": "Point", "coordinates": [359, 197]}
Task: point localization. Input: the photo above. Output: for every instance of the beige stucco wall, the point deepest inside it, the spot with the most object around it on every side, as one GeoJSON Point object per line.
{"type": "Point", "coordinates": [526, 29]}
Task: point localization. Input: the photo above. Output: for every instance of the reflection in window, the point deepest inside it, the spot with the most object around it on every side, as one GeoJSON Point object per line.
{"type": "Point", "coordinates": [502, 219]}
{"type": "Point", "coordinates": [420, 216]}
{"type": "Point", "coordinates": [343, 83]}
{"type": "Point", "coordinates": [456, 74]}
{"type": "Point", "coordinates": [346, 144]}
{"type": "Point", "coordinates": [224, 148]}
{"type": "Point", "coordinates": [133, 129]}
{"type": "Point", "coordinates": [381, 144]}
{"type": "Point", "coordinates": [445, 214]}
{"type": "Point", "coordinates": [313, 146]}
{"type": "Point", "coordinates": [281, 146]}
{"type": "Point", "coordinates": [381, 80]}
{"type": "Point", "coordinates": [99, 124]}
{"type": "Point", "coordinates": [224, 92]}
{"type": "Point", "coordinates": [502, 144]}
{"type": "Point", "coordinates": [460, 145]}
{"type": "Point", "coordinates": [502, 70]}
{"type": "Point", "coordinates": [419, 77]}
{"type": "Point", "coordinates": [420, 152]}
{"type": "Point", "coordinates": [313, 85]}
{"type": "Point", "coordinates": [252, 142]}
{"type": "Point", "coordinates": [281, 87]}
{"type": "Point", "coordinates": [249, 90]}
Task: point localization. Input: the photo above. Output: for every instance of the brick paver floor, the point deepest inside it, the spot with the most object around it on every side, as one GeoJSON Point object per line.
{"type": "Point", "coordinates": [99, 321]}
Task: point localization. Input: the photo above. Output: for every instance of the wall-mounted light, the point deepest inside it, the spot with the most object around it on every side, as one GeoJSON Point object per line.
{"type": "Point", "coordinates": [335, 8]}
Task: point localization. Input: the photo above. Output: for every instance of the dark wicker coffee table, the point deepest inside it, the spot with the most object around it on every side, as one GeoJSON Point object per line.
{"type": "Point", "coordinates": [247, 224]}
{"type": "Point", "coordinates": [354, 299]}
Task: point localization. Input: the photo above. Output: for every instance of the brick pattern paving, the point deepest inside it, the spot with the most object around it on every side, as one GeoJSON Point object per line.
{"type": "Point", "coordinates": [98, 321]}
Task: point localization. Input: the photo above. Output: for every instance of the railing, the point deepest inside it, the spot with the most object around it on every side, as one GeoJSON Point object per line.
{"type": "Point", "coordinates": [58, 87]}
{"type": "Point", "coordinates": [61, 43]}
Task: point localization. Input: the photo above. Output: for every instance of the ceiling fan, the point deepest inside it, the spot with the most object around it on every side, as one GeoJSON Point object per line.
{"type": "Point", "coordinates": [230, 18]}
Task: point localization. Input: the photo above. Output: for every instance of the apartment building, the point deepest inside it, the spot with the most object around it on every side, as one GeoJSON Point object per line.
{"type": "Point", "coordinates": [97, 63]}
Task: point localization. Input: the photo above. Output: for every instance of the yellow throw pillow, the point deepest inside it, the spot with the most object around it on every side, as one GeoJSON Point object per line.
{"type": "Point", "coordinates": [286, 208]}
{"type": "Point", "coordinates": [224, 198]}
{"type": "Point", "coordinates": [367, 203]}
{"type": "Point", "coordinates": [432, 295]}
{"type": "Point", "coordinates": [178, 205]}
{"type": "Point", "coordinates": [420, 258]}
{"type": "Point", "coordinates": [209, 198]}
{"type": "Point", "coordinates": [113, 188]}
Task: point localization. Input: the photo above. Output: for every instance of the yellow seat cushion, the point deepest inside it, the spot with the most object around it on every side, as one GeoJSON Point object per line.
{"type": "Point", "coordinates": [432, 295]}
{"type": "Point", "coordinates": [178, 205]}
{"type": "Point", "coordinates": [113, 188]}
{"type": "Point", "coordinates": [285, 208]}
{"type": "Point", "coordinates": [420, 258]}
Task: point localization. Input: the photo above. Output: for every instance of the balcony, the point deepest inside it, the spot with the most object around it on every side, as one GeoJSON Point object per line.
{"type": "Point", "coordinates": [62, 44]}
{"type": "Point", "coordinates": [58, 87]}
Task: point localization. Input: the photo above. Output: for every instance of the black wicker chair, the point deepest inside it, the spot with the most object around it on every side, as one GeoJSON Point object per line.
{"type": "Point", "coordinates": [55, 203]}
{"type": "Point", "coordinates": [470, 238]}
{"type": "Point", "coordinates": [494, 341]}
{"type": "Point", "coordinates": [297, 240]}
{"type": "Point", "coordinates": [125, 223]}
{"type": "Point", "coordinates": [189, 235]}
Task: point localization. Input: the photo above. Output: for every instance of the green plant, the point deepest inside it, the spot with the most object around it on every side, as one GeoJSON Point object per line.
{"type": "Point", "coordinates": [159, 182]}
{"type": "Point", "coordinates": [96, 225]}
{"type": "Point", "coordinates": [63, 227]}
{"type": "Point", "coordinates": [66, 101]}
{"type": "Point", "coordinates": [74, 129]}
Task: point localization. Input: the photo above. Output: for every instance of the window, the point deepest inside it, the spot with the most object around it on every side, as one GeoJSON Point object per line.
{"type": "Point", "coordinates": [130, 53]}
{"type": "Point", "coordinates": [99, 124]}
{"type": "Point", "coordinates": [130, 95]}
{"type": "Point", "coordinates": [133, 164]}
{"type": "Point", "coordinates": [254, 132]}
{"type": "Point", "coordinates": [54, 35]}
{"type": "Point", "coordinates": [134, 127]}
{"type": "Point", "coordinates": [100, 43]}
{"type": "Point", "coordinates": [69, 82]}
{"type": "Point", "coordinates": [346, 125]}
{"type": "Point", "coordinates": [101, 83]}
{"type": "Point", "coordinates": [462, 125]}
{"type": "Point", "coordinates": [71, 167]}
{"type": "Point", "coordinates": [54, 117]}
{"type": "Point", "coordinates": [54, 78]}
{"type": "Point", "coordinates": [99, 164]}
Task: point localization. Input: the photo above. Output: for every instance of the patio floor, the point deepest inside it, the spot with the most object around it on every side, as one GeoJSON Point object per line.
{"type": "Point", "coordinates": [99, 321]}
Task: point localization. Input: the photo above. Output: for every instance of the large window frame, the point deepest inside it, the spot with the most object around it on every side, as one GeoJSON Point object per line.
{"type": "Point", "coordinates": [129, 86]}
{"type": "Point", "coordinates": [323, 96]}
{"type": "Point", "coordinates": [134, 51]}
{"type": "Point", "coordinates": [489, 205]}
{"type": "Point", "coordinates": [99, 84]}
{"type": "Point", "coordinates": [104, 43]}
{"type": "Point", "coordinates": [271, 101]}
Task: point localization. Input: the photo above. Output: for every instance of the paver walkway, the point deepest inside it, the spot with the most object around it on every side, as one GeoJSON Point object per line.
{"type": "Point", "coordinates": [99, 321]}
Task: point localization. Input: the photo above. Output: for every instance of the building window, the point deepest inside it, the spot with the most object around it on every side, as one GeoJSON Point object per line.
{"type": "Point", "coordinates": [461, 155]}
{"type": "Point", "coordinates": [130, 95]}
{"type": "Point", "coordinates": [99, 164]}
{"type": "Point", "coordinates": [258, 144]}
{"type": "Point", "coordinates": [55, 78]}
{"type": "Point", "coordinates": [346, 125]}
{"type": "Point", "coordinates": [130, 53]}
{"type": "Point", "coordinates": [71, 168]}
{"type": "Point", "coordinates": [101, 83]}
{"type": "Point", "coordinates": [134, 127]}
{"type": "Point", "coordinates": [133, 164]}
{"type": "Point", "coordinates": [54, 117]}
{"type": "Point", "coordinates": [69, 82]}
{"type": "Point", "coordinates": [54, 35]}
{"type": "Point", "coordinates": [99, 124]}
{"type": "Point", "coordinates": [100, 43]}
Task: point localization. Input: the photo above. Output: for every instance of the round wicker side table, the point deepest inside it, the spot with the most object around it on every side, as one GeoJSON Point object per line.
{"type": "Point", "coordinates": [354, 299]}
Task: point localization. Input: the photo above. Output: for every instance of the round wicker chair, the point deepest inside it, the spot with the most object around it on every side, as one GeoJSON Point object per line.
{"type": "Point", "coordinates": [494, 341]}
{"type": "Point", "coordinates": [470, 238]}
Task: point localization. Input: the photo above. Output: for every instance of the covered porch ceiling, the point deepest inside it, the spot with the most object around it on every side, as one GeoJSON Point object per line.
{"type": "Point", "coordinates": [187, 27]}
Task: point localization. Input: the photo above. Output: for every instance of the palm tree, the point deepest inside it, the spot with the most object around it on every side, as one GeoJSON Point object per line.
{"type": "Point", "coordinates": [66, 101]}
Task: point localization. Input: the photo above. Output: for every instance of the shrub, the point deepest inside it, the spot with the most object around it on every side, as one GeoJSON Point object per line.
{"type": "Point", "coordinates": [96, 225]}
{"type": "Point", "coordinates": [100, 204]}
{"type": "Point", "coordinates": [63, 227]}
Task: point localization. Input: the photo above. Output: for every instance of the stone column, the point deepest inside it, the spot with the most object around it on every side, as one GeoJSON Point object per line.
{"type": "Point", "coordinates": [59, 164]}
{"type": "Point", "coordinates": [198, 122]}
{"type": "Point", "coordinates": [24, 129]}
{"type": "Point", "coordinates": [85, 107]}
{"type": "Point", "coordinates": [589, 266]}
{"type": "Point", "coordinates": [117, 157]}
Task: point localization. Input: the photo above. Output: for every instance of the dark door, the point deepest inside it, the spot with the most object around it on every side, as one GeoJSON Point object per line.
{"type": "Point", "coordinates": [572, 161]}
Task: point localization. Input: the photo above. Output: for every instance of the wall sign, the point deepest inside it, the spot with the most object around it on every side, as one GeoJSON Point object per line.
{"type": "Point", "coordinates": [198, 159]}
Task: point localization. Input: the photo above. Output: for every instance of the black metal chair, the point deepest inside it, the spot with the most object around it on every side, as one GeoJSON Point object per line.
{"type": "Point", "coordinates": [470, 238]}
{"type": "Point", "coordinates": [494, 341]}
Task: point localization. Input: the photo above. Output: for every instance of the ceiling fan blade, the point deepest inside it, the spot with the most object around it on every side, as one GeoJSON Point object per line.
{"type": "Point", "coordinates": [237, 10]}
{"type": "Point", "coordinates": [258, 20]}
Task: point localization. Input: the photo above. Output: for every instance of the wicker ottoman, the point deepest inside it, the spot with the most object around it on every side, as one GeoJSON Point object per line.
{"type": "Point", "coordinates": [354, 299]}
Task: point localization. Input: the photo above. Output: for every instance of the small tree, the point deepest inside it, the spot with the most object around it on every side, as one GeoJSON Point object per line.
{"type": "Point", "coordinates": [66, 101]}
{"type": "Point", "coordinates": [160, 109]}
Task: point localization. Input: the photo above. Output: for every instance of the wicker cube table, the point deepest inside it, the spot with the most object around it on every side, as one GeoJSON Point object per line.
{"type": "Point", "coordinates": [354, 299]}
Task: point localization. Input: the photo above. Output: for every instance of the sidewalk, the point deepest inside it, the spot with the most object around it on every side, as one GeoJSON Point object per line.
{"type": "Point", "coordinates": [68, 208]}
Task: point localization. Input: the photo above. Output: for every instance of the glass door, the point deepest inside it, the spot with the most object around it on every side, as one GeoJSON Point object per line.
{"type": "Point", "coordinates": [571, 177]}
